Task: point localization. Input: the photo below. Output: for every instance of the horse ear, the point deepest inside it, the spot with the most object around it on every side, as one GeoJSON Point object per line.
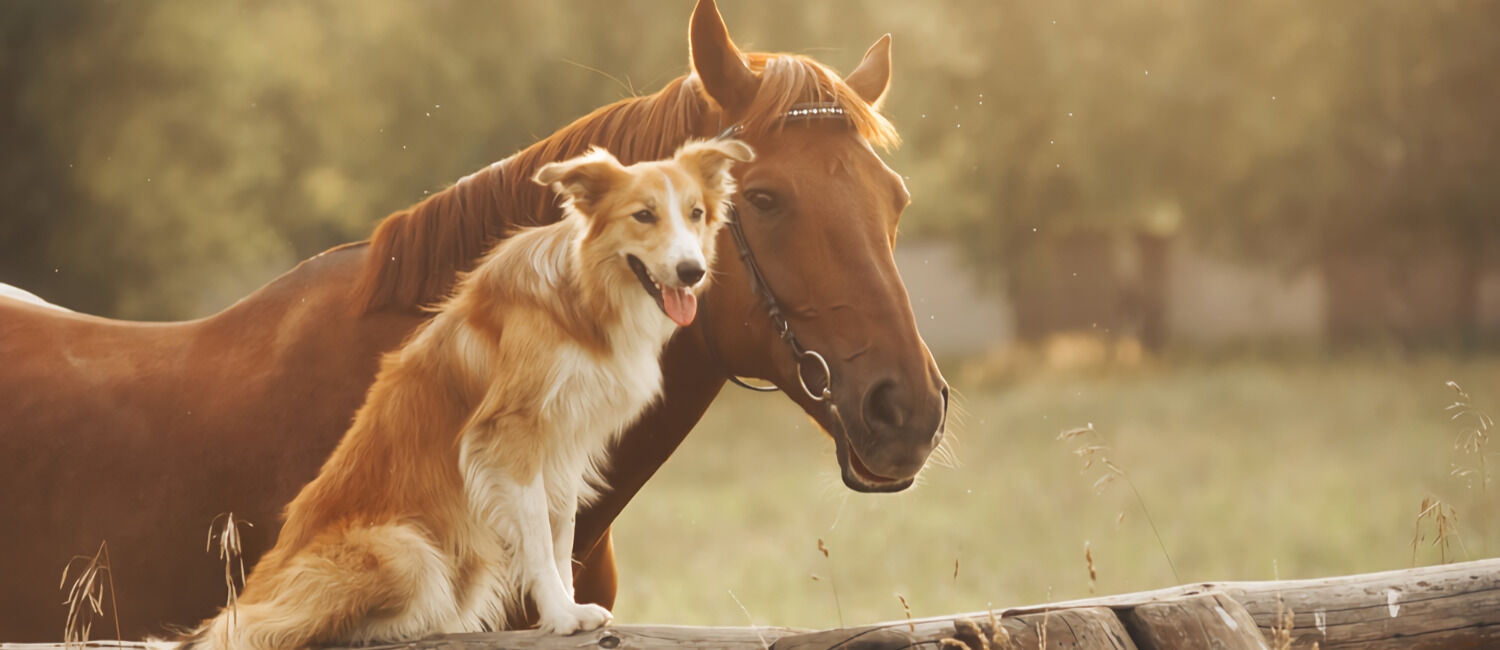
{"type": "Point", "coordinates": [873, 76]}
{"type": "Point", "coordinates": [710, 160]}
{"type": "Point", "coordinates": [718, 63]}
{"type": "Point", "coordinates": [584, 179]}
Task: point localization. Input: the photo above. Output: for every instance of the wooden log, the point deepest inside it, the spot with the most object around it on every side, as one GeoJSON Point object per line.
{"type": "Point", "coordinates": [1449, 606]}
{"type": "Point", "coordinates": [1452, 606]}
{"type": "Point", "coordinates": [1084, 628]}
{"type": "Point", "coordinates": [1446, 606]}
{"type": "Point", "coordinates": [622, 637]}
{"type": "Point", "coordinates": [1207, 621]}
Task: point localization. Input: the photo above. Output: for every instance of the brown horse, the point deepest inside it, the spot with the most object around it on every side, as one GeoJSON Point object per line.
{"type": "Point", "coordinates": [141, 433]}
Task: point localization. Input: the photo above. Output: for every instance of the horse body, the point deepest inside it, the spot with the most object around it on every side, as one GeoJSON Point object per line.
{"type": "Point", "coordinates": [140, 434]}
{"type": "Point", "coordinates": [143, 434]}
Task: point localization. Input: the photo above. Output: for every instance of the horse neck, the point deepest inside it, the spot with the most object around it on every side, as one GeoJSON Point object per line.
{"type": "Point", "coordinates": [308, 315]}
{"type": "Point", "coordinates": [416, 255]}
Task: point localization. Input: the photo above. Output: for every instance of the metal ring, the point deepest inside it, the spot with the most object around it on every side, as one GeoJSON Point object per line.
{"type": "Point", "coordinates": [827, 374]}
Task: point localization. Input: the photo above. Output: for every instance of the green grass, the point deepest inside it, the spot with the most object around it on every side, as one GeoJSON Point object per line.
{"type": "Point", "coordinates": [1251, 470]}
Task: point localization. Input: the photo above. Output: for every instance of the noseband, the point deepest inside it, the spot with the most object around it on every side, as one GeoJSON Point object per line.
{"type": "Point", "coordinates": [758, 285]}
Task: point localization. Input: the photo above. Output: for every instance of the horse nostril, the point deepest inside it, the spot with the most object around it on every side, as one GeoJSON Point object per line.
{"type": "Point", "coordinates": [883, 406]}
{"type": "Point", "coordinates": [689, 273]}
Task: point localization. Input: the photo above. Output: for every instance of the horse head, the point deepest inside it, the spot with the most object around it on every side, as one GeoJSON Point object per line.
{"type": "Point", "coordinates": [809, 297]}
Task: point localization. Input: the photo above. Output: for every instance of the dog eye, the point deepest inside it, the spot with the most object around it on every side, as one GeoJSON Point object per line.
{"type": "Point", "coordinates": [644, 216]}
{"type": "Point", "coordinates": [697, 214]}
{"type": "Point", "coordinates": [761, 199]}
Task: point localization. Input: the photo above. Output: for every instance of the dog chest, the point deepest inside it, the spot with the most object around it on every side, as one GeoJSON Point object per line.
{"type": "Point", "coordinates": [598, 394]}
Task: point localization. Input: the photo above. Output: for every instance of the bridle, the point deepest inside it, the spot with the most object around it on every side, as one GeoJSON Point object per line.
{"type": "Point", "coordinates": [801, 354]}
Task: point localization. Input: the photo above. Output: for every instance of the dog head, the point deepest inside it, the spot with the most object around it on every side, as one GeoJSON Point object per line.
{"type": "Point", "coordinates": [659, 217]}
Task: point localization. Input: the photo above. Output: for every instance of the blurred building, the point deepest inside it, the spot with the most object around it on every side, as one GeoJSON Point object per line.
{"type": "Point", "coordinates": [1171, 292]}
{"type": "Point", "coordinates": [955, 316]}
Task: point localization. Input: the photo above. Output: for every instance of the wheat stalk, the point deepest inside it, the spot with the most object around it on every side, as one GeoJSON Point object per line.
{"type": "Point", "coordinates": [1089, 453]}
{"type": "Point", "coordinates": [999, 636]}
{"type": "Point", "coordinates": [1281, 626]}
{"type": "Point", "coordinates": [832, 581]}
{"type": "Point", "coordinates": [86, 594]}
{"type": "Point", "coordinates": [230, 552]}
{"type": "Point", "coordinates": [753, 627]}
{"type": "Point", "coordinates": [1088, 558]}
{"type": "Point", "coordinates": [1474, 439]}
{"type": "Point", "coordinates": [1445, 522]}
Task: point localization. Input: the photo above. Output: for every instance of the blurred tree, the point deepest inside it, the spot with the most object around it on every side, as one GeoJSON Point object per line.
{"type": "Point", "coordinates": [210, 146]}
{"type": "Point", "coordinates": [1276, 130]}
{"type": "Point", "coordinates": [1388, 177]}
{"type": "Point", "coordinates": [43, 204]}
{"type": "Point", "coordinates": [162, 160]}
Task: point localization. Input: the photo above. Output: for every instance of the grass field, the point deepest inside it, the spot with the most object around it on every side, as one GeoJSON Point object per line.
{"type": "Point", "coordinates": [1250, 470]}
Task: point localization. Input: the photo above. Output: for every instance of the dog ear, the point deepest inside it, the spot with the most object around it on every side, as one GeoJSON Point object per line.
{"type": "Point", "coordinates": [710, 160]}
{"type": "Point", "coordinates": [582, 180]}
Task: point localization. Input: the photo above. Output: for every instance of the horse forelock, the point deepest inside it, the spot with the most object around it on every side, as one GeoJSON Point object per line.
{"type": "Point", "coordinates": [787, 80]}
{"type": "Point", "coordinates": [416, 254]}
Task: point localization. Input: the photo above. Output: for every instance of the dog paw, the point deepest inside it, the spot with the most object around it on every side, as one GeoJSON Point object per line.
{"type": "Point", "coordinates": [571, 618]}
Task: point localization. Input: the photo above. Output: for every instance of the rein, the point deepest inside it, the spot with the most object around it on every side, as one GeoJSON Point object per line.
{"type": "Point", "coordinates": [758, 285]}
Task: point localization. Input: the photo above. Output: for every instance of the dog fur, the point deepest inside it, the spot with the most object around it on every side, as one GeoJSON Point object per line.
{"type": "Point", "coordinates": [453, 493]}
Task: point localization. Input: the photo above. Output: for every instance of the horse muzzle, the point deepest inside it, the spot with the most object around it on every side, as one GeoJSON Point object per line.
{"type": "Point", "coordinates": [888, 443]}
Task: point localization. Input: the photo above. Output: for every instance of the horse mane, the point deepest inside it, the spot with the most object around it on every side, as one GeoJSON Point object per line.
{"type": "Point", "coordinates": [416, 254]}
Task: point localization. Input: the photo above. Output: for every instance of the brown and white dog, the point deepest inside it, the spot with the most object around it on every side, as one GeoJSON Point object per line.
{"type": "Point", "coordinates": [453, 493]}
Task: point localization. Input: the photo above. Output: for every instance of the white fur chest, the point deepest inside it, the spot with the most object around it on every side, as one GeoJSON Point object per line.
{"type": "Point", "coordinates": [594, 396]}
{"type": "Point", "coordinates": [587, 400]}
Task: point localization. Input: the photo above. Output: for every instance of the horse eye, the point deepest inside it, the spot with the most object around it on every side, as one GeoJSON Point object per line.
{"type": "Point", "coordinates": [761, 199]}
{"type": "Point", "coordinates": [644, 216]}
{"type": "Point", "coordinates": [697, 214]}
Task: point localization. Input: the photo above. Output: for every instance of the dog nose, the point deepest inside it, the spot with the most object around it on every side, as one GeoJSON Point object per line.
{"type": "Point", "coordinates": [690, 273]}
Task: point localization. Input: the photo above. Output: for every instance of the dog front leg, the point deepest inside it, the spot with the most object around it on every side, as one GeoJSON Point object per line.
{"type": "Point", "coordinates": [564, 511]}
{"type": "Point", "coordinates": [554, 599]}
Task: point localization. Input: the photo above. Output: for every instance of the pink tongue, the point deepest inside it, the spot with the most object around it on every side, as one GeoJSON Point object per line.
{"type": "Point", "coordinates": [680, 304]}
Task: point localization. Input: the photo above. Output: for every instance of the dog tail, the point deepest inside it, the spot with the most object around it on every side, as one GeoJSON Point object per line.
{"type": "Point", "coordinates": [194, 640]}
{"type": "Point", "coordinates": [244, 627]}
{"type": "Point", "coordinates": [217, 633]}
{"type": "Point", "coordinates": [331, 591]}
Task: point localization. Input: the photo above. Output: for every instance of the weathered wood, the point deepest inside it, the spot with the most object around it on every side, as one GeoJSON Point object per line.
{"type": "Point", "coordinates": [1453, 606]}
{"type": "Point", "coordinates": [1085, 628]}
{"type": "Point", "coordinates": [622, 637]}
{"type": "Point", "coordinates": [1446, 606]}
{"type": "Point", "coordinates": [1207, 621]}
{"type": "Point", "coordinates": [1450, 606]}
